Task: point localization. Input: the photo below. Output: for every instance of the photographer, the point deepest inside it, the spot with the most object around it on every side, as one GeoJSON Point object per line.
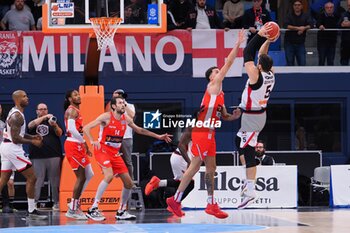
{"type": "Point", "coordinates": [46, 159]}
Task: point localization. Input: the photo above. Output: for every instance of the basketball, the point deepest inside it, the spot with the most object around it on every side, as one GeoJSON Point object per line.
{"type": "Point", "coordinates": [274, 31]}
{"type": "Point", "coordinates": [54, 8]}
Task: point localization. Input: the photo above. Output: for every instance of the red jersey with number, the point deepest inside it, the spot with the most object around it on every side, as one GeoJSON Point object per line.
{"type": "Point", "coordinates": [111, 135]}
{"type": "Point", "coordinates": [256, 96]}
{"type": "Point", "coordinates": [210, 111]}
{"type": "Point", "coordinates": [78, 122]}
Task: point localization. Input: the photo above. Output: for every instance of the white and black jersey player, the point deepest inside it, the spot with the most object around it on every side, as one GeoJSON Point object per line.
{"type": "Point", "coordinates": [180, 160]}
{"type": "Point", "coordinates": [260, 83]}
{"type": "Point", "coordinates": [12, 153]}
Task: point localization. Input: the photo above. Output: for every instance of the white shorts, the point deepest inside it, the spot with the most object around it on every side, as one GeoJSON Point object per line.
{"type": "Point", "coordinates": [251, 126]}
{"type": "Point", "coordinates": [13, 158]}
{"type": "Point", "coordinates": [179, 164]}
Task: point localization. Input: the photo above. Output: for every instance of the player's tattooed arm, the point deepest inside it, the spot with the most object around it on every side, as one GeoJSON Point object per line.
{"type": "Point", "coordinates": [16, 121]}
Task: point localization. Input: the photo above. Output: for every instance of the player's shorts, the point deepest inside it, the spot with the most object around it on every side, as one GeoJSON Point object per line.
{"type": "Point", "coordinates": [76, 154]}
{"type": "Point", "coordinates": [251, 126]}
{"type": "Point", "coordinates": [106, 159]}
{"type": "Point", "coordinates": [179, 164]}
{"type": "Point", "coordinates": [13, 158]}
{"type": "Point", "coordinates": [203, 144]}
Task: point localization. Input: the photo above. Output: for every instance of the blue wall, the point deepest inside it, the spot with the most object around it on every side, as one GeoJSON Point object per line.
{"type": "Point", "coordinates": [189, 91]}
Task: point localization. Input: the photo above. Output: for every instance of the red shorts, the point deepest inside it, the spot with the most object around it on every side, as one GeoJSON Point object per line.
{"type": "Point", "coordinates": [203, 144]}
{"type": "Point", "coordinates": [107, 159]}
{"type": "Point", "coordinates": [76, 154]}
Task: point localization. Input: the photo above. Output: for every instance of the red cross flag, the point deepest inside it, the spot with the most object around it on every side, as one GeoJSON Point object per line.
{"type": "Point", "coordinates": [211, 47]}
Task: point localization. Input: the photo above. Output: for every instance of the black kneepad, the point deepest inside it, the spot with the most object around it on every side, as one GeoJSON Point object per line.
{"type": "Point", "coordinates": [238, 145]}
{"type": "Point", "coordinates": [249, 155]}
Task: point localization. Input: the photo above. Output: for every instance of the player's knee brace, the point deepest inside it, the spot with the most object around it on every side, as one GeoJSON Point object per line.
{"type": "Point", "coordinates": [238, 145]}
{"type": "Point", "coordinates": [249, 155]}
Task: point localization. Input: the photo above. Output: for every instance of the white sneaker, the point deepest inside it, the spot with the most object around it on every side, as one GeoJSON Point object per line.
{"type": "Point", "coordinates": [248, 199]}
{"type": "Point", "coordinates": [95, 214]}
{"type": "Point", "coordinates": [56, 207]}
{"type": "Point", "coordinates": [124, 215]}
{"type": "Point", "coordinates": [76, 214]}
{"type": "Point", "coordinates": [244, 188]}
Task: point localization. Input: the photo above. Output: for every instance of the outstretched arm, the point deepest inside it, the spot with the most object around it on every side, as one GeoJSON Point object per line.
{"type": "Point", "coordinates": [261, 41]}
{"type": "Point", "coordinates": [139, 130]}
{"type": "Point", "coordinates": [99, 120]}
{"type": "Point", "coordinates": [230, 117]}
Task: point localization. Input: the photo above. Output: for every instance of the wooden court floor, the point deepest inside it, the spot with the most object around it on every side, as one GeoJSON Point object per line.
{"type": "Point", "coordinates": [302, 220]}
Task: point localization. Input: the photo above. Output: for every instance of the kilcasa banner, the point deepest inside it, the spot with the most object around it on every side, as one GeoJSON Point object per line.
{"type": "Point", "coordinates": [276, 187]}
{"type": "Point", "coordinates": [177, 53]}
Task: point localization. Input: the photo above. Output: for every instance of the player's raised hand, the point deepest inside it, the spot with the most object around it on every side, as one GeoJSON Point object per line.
{"type": "Point", "coordinates": [264, 30]}
{"type": "Point", "coordinates": [241, 36]}
{"type": "Point", "coordinates": [166, 137]}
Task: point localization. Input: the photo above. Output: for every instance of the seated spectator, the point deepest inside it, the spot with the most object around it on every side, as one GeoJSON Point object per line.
{"type": "Point", "coordinates": [39, 24]}
{"type": "Point", "coordinates": [345, 37]}
{"type": "Point", "coordinates": [171, 23]}
{"type": "Point", "coordinates": [298, 23]}
{"type": "Point", "coordinates": [4, 7]}
{"type": "Point", "coordinates": [255, 17]}
{"type": "Point", "coordinates": [179, 9]}
{"type": "Point", "coordinates": [326, 40]}
{"type": "Point", "coordinates": [18, 19]}
{"type": "Point", "coordinates": [138, 10]}
{"type": "Point", "coordinates": [261, 158]}
{"type": "Point", "coordinates": [203, 17]}
{"type": "Point", "coordinates": [128, 17]}
{"type": "Point", "coordinates": [233, 13]}
{"type": "Point", "coordinates": [36, 8]}
{"type": "Point", "coordinates": [317, 7]}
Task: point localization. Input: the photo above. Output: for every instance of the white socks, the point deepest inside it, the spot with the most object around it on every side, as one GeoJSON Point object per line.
{"type": "Point", "coordinates": [31, 205]}
{"type": "Point", "coordinates": [100, 190]}
{"type": "Point", "coordinates": [163, 183]}
{"type": "Point", "coordinates": [178, 196]}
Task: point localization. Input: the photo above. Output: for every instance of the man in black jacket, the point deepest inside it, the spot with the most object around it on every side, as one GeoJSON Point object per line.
{"type": "Point", "coordinates": [203, 17]}
{"type": "Point", "coordinates": [255, 17]}
{"type": "Point", "coordinates": [261, 158]}
{"type": "Point", "coordinates": [326, 40]}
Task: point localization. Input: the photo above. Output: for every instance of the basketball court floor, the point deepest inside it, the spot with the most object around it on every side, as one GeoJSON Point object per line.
{"type": "Point", "coordinates": [302, 220]}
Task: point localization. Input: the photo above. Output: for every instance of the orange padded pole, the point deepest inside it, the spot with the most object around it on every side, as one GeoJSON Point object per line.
{"type": "Point", "coordinates": [92, 105]}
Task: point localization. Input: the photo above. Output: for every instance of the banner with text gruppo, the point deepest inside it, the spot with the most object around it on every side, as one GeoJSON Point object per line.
{"type": "Point", "coordinates": [276, 187]}
{"type": "Point", "coordinates": [179, 53]}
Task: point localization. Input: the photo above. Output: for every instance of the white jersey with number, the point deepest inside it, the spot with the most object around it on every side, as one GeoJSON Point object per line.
{"type": "Point", "coordinates": [7, 131]}
{"type": "Point", "coordinates": [256, 96]}
{"type": "Point", "coordinates": [12, 155]}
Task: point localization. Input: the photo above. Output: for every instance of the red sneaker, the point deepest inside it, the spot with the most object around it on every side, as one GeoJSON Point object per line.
{"type": "Point", "coordinates": [174, 207]}
{"type": "Point", "coordinates": [171, 211]}
{"type": "Point", "coordinates": [152, 185]}
{"type": "Point", "coordinates": [214, 209]}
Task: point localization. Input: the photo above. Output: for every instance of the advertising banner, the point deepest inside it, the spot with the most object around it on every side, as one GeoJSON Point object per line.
{"type": "Point", "coordinates": [176, 54]}
{"type": "Point", "coordinates": [276, 187]}
{"type": "Point", "coordinates": [340, 185]}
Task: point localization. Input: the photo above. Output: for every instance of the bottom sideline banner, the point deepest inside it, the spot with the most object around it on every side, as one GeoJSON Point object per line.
{"type": "Point", "coordinates": [276, 187]}
{"type": "Point", "coordinates": [340, 186]}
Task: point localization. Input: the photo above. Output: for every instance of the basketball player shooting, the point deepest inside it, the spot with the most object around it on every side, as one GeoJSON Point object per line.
{"type": "Point", "coordinates": [260, 83]}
